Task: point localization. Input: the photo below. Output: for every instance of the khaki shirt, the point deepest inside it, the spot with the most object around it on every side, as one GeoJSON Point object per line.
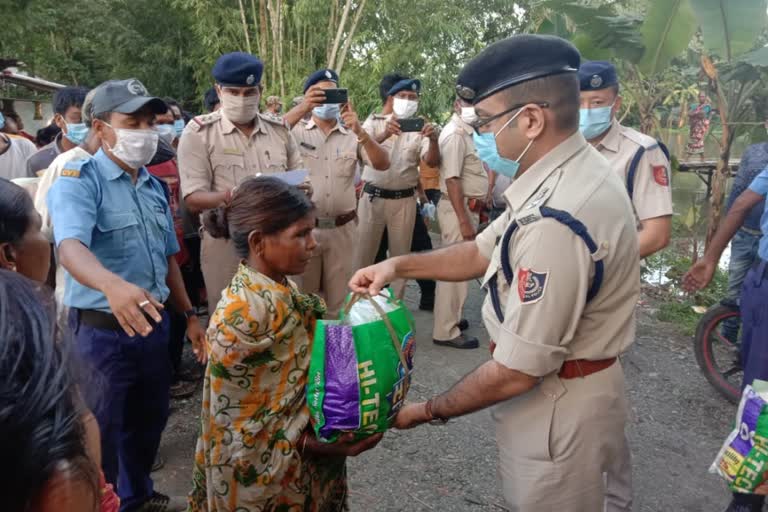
{"type": "Point", "coordinates": [458, 159]}
{"type": "Point", "coordinates": [214, 156]}
{"type": "Point", "coordinates": [547, 319]}
{"type": "Point", "coordinates": [332, 161]}
{"type": "Point", "coordinates": [405, 152]}
{"type": "Point", "coordinates": [652, 194]}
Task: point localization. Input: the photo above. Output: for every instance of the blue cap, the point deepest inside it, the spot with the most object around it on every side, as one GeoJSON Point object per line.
{"type": "Point", "coordinates": [124, 96]}
{"type": "Point", "coordinates": [238, 69]}
{"type": "Point", "coordinates": [321, 75]}
{"type": "Point", "coordinates": [409, 84]}
{"type": "Point", "coordinates": [597, 74]}
{"type": "Point", "coordinates": [513, 61]}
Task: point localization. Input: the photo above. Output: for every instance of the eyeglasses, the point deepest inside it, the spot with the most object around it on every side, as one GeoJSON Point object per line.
{"type": "Point", "coordinates": [480, 122]}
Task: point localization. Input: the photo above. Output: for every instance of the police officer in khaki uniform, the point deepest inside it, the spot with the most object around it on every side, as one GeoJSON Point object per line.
{"type": "Point", "coordinates": [561, 268]}
{"type": "Point", "coordinates": [332, 143]}
{"type": "Point", "coordinates": [388, 197]}
{"type": "Point", "coordinates": [464, 185]}
{"type": "Point", "coordinates": [219, 150]}
{"type": "Point", "coordinates": [640, 160]}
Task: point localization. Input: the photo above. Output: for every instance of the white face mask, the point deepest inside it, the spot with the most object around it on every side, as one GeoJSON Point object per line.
{"type": "Point", "coordinates": [404, 108]}
{"type": "Point", "coordinates": [468, 115]}
{"type": "Point", "coordinates": [166, 132]}
{"type": "Point", "coordinates": [240, 109]}
{"type": "Point", "coordinates": [135, 148]}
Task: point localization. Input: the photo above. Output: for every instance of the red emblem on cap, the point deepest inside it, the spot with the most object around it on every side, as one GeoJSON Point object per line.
{"type": "Point", "coordinates": [660, 175]}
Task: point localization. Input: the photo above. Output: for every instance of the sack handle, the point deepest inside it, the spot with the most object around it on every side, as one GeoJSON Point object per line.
{"type": "Point", "coordinates": [387, 323]}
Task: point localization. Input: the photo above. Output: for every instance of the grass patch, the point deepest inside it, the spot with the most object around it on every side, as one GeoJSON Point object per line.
{"type": "Point", "coordinates": [680, 314]}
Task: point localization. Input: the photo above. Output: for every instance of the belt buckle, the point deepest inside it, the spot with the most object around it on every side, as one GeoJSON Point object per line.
{"type": "Point", "coordinates": [326, 222]}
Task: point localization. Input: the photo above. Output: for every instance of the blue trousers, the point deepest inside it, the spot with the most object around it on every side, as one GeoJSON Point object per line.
{"type": "Point", "coordinates": [754, 346]}
{"type": "Point", "coordinates": [133, 376]}
{"type": "Point", "coordinates": [743, 255]}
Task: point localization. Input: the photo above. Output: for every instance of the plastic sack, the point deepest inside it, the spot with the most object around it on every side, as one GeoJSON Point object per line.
{"type": "Point", "coordinates": [429, 210]}
{"type": "Point", "coordinates": [360, 367]}
{"type": "Point", "coordinates": [743, 458]}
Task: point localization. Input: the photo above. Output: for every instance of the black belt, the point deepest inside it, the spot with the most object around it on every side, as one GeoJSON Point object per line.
{"type": "Point", "coordinates": [388, 194]}
{"type": "Point", "coordinates": [102, 320]}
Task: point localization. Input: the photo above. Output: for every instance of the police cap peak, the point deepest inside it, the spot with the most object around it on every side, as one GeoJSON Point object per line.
{"type": "Point", "coordinates": [597, 74]}
{"type": "Point", "coordinates": [125, 97]}
{"type": "Point", "coordinates": [238, 69]}
{"type": "Point", "coordinates": [409, 84]}
{"type": "Point", "coordinates": [515, 60]}
{"type": "Point", "coordinates": [321, 75]}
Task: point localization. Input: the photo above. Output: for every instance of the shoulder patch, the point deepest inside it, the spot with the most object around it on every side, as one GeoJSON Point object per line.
{"type": "Point", "coordinates": [638, 138]}
{"type": "Point", "coordinates": [531, 285]}
{"type": "Point", "coordinates": [73, 168]}
{"type": "Point", "coordinates": [660, 175]}
{"type": "Point", "coordinates": [70, 173]}
{"type": "Point", "coordinates": [204, 120]}
{"type": "Point", "coordinates": [279, 121]}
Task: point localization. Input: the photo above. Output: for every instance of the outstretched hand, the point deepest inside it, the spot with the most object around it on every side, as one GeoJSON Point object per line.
{"type": "Point", "coordinates": [699, 275]}
{"type": "Point", "coordinates": [372, 279]}
{"type": "Point", "coordinates": [345, 446]}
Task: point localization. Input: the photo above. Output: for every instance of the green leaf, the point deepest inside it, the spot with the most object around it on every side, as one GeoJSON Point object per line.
{"type": "Point", "coordinates": [730, 27]}
{"type": "Point", "coordinates": [259, 358]}
{"type": "Point", "coordinates": [757, 58]}
{"type": "Point", "coordinates": [218, 370]}
{"type": "Point", "coordinates": [667, 31]}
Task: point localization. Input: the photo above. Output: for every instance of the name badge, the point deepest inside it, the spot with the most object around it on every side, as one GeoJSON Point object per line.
{"type": "Point", "coordinates": [308, 146]}
{"type": "Point", "coordinates": [232, 151]}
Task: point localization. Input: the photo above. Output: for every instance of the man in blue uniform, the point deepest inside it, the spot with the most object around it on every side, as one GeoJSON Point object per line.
{"type": "Point", "coordinates": [115, 237]}
{"type": "Point", "coordinates": [754, 298]}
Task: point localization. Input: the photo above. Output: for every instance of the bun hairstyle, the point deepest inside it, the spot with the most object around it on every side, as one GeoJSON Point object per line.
{"type": "Point", "coordinates": [40, 412]}
{"type": "Point", "coordinates": [264, 204]}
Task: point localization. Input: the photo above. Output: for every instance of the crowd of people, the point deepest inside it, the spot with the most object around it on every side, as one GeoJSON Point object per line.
{"type": "Point", "coordinates": [107, 215]}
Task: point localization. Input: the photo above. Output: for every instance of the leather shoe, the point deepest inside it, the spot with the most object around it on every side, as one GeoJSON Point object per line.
{"type": "Point", "coordinates": [460, 341]}
{"type": "Point", "coordinates": [463, 324]}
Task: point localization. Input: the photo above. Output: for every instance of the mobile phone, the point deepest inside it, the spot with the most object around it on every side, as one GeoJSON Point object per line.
{"type": "Point", "coordinates": [413, 124]}
{"type": "Point", "coordinates": [335, 96]}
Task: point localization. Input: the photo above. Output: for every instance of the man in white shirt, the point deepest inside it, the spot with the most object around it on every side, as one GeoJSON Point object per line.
{"type": "Point", "coordinates": [14, 152]}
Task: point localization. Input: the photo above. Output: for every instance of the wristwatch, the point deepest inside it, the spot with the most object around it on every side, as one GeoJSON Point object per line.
{"type": "Point", "coordinates": [190, 313]}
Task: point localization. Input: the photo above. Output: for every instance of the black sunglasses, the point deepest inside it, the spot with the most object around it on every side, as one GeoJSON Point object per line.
{"type": "Point", "coordinates": [479, 123]}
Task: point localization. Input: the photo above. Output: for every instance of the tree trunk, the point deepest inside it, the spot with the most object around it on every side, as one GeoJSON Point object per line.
{"type": "Point", "coordinates": [245, 26]}
{"type": "Point", "coordinates": [350, 36]}
{"type": "Point", "coordinates": [339, 33]}
{"type": "Point", "coordinates": [331, 24]}
{"type": "Point", "coordinates": [257, 26]}
{"type": "Point", "coordinates": [263, 28]}
{"type": "Point", "coordinates": [280, 46]}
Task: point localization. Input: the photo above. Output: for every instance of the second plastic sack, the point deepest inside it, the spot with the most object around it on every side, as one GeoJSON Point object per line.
{"type": "Point", "coordinates": [360, 367]}
{"type": "Point", "coordinates": [743, 459]}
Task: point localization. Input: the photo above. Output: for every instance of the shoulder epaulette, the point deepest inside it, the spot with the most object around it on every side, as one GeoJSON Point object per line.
{"type": "Point", "coordinates": [199, 122]}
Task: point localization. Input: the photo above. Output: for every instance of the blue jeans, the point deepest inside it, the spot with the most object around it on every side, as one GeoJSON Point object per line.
{"type": "Point", "coordinates": [134, 375]}
{"type": "Point", "coordinates": [743, 256]}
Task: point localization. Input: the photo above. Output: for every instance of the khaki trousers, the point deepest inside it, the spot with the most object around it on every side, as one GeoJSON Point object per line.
{"type": "Point", "coordinates": [562, 445]}
{"type": "Point", "coordinates": [331, 266]}
{"type": "Point", "coordinates": [398, 216]}
{"type": "Point", "coordinates": [219, 262]}
{"type": "Point", "coordinates": [450, 297]}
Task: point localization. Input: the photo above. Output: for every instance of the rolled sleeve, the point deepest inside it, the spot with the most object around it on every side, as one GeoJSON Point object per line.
{"type": "Point", "coordinates": [760, 184]}
{"type": "Point", "coordinates": [452, 151]}
{"type": "Point", "coordinates": [486, 240]}
{"type": "Point", "coordinates": [195, 172]}
{"type": "Point", "coordinates": [652, 195]}
{"type": "Point", "coordinates": [72, 203]}
{"type": "Point", "coordinates": [552, 269]}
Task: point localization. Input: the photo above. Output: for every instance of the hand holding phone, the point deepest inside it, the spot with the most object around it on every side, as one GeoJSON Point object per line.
{"type": "Point", "coordinates": [413, 124]}
{"type": "Point", "coordinates": [338, 96]}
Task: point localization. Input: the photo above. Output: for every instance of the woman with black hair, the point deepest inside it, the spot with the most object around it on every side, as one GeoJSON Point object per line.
{"type": "Point", "coordinates": [41, 428]}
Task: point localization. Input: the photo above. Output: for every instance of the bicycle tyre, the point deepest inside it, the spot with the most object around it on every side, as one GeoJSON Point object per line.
{"type": "Point", "coordinates": [702, 348]}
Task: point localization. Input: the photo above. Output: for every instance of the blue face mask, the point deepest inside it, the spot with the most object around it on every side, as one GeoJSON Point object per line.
{"type": "Point", "coordinates": [76, 133]}
{"type": "Point", "coordinates": [485, 145]}
{"type": "Point", "coordinates": [178, 127]}
{"type": "Point", "coordinates": [2, 121]}
{"type": "Point", "coordinates": [327, 111]}
{"type": "Point", "coordinates": [166, 131]}
{"type": "Point", "coordinates": [594, 122]}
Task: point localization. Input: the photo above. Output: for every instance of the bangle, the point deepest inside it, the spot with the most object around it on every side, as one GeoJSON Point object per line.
{"type": "Point", "coordinates": [228, 196]}
{"type": "Point", "coordinates": [365, 139]}
{"type": "Point", "coordinates": [303, 442]}
{"type": "Point", "coordinates": [428, 410]}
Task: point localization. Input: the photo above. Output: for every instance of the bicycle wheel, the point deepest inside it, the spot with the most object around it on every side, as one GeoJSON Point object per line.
{"type": "Point", "coordinates": [718, 356]}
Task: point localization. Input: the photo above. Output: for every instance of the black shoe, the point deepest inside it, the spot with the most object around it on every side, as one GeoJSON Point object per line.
{"type": "Point", "coordinates": [182, 389]}
{"type": "Point", "coordinates": [162, 503]}
{"type": "Point", "coordinates": [463, 324]}
{"type": "Point", "coordinates": [158, 464]}
{"type": "Point", "coordinates": [459, 341]}
{"type": "Point", "coordinates": [746, 503]}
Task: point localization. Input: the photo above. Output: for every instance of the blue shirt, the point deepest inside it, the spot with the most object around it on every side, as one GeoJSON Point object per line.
{"type": "Point", "coordinates": [754, 160]}
{"type": "Point", "coordinates": [127, 226]}
{"type": "Point", "coordinates": [760, 186]}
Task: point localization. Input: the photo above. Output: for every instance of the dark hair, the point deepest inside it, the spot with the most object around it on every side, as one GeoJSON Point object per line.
{"type": "Point", "coordinates": [210, 99]}
{"type": "Point", "coordinates": [263, 204]}
{"type": "Point", "coordinates": [40, 411]}
{"type": "Point", "coordinates": [387, 82]}
{"type": "Point", "coordinates": [47, 134]}
{"type": "Point", "coordinates": [68, 97]}
{"type": "Point", "coordinates": [561, 92]}
{"type": "Point", "coordinates": [16, 209]}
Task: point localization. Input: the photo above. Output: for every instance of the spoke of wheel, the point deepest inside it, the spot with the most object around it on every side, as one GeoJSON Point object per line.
{"type": "Point", "coordinates": [731, 371]}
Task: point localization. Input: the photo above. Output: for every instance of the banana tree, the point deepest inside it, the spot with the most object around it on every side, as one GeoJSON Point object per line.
{"type": "Point", "coordinates": [730, 29]}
